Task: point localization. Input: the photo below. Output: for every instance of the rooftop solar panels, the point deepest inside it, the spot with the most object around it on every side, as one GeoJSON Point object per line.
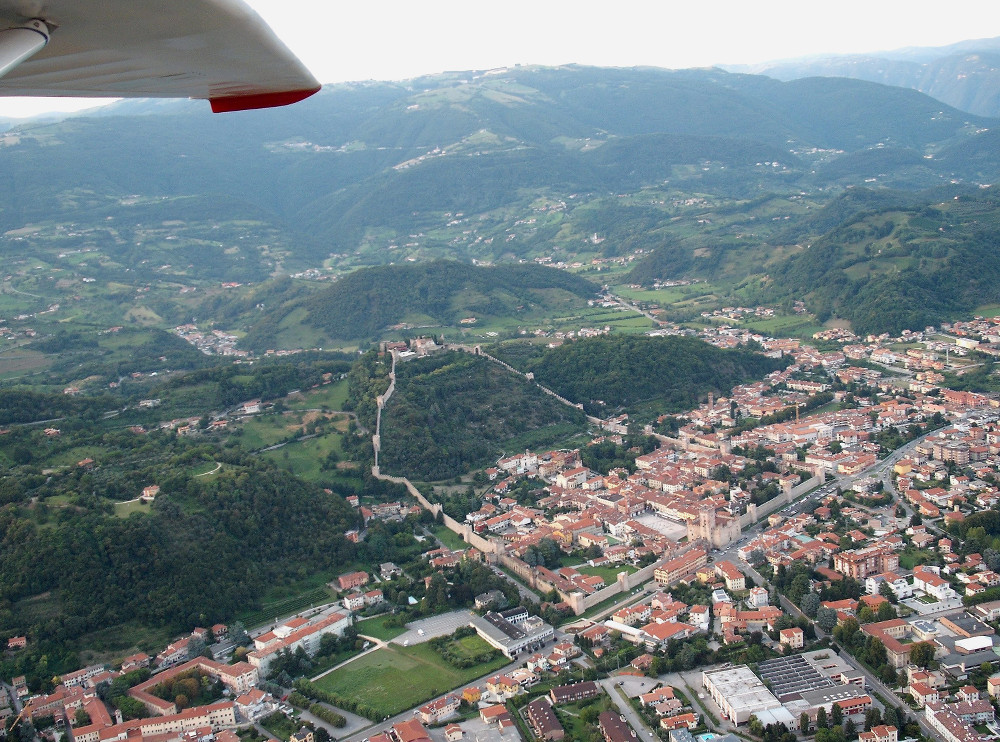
{"type": "Point", "coordinates": [790, 677]}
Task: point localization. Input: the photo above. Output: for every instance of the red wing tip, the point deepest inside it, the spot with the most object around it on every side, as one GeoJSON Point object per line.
{"type": "Point", "coordinates": [228, 103]}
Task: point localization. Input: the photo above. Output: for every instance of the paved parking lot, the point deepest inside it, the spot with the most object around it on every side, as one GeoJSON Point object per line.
{"type": "Point", "coordinates": [432, 627]}
{"type": "Point", "coordinates": [476, 731]}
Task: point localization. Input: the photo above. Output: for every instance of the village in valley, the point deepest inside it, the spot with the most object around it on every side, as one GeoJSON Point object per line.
{"type": "Point", "coordinates": [825, 572]}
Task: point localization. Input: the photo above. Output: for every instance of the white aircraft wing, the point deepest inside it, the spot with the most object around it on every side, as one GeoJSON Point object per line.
{"type": "Point", "coordinates": [219, 50]}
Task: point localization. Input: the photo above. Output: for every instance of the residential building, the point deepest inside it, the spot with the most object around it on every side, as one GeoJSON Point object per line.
{"type": "Point", "coordinates": [440, 709]}
{"type": "Point", "coordinates": [793, 637]}
{"type": "Point", "coordinates": [860, 563]}
{"type": "Point", "coordinates": [352, 580]}
{"type": "Point", "coordinates": [758, 598]}
{"type": "Point", "coordinates": [306, 636]}
{"type": "Point", "coordinates": [681, 567]}
{"type": "Point", "coordinates": [614, 728]}
{"type": "Point", "coordinates": [543, 720]}
{"type": "Point", "coordinates": [880, 733]}
{"type": "Point", "coordinates": [731, 574]}
{"type": "Point", "coordinates": [574, 692]}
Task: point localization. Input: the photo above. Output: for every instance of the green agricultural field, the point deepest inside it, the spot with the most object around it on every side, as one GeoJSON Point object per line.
{"type": "Point", "coordinates": [125, 509]}
{"type": "Point", "coordinates": [16, 362]}
{"type": "Point", "coordinates": [449, 538]}
{"type": "Point", "coordinates": [987, 310]}
{"type": "Point", "coordinates": [393, 679]}
{"type": "Point", "coordinates": [376, 627]}
{"type": "Point", "coordinates": [792, 325]}
{"type": "Point", "coordinates": [305, 458]}
{"type": "Point", "coordinates": [663, 297]}
{"type": "Point", "coordinates": [262, 431]}
{"type": "Point", "coordinates": [330, 396]}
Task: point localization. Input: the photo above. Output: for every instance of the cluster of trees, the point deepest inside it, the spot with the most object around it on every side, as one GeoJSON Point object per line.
{"type": "Point", "coordinates": [228, 385]}
{"type": "Point", "coordinates": [546, 553]}
{"type": "Point", "coordinates": [607, 455]}
{"type": "Point", "coordinates": [22, 405]}
{"type": "Point", "coordinates": [833, 727]}
{"type": "Point", "coordinates": [889, 439]}
{"type": "Point", "coordinates": [453, 411]}
{"type": "Point", "coordinates": [451, 651]}
{"type": "Point", "coordinates": [116, 695]}
{"type": "Point", "coordinates": [328, 715]}
{"type": "Point", "coordinates": [625, 371]}
{"type": "Point", "coordinates": [867, 649]}
{"type": "Point", "coordinates": [468, 579]}
{"type": "Point", "coordinates": [300, 699]}
{"type": "Point", "coordinates": [458, 504]}
{"type": "Point", "coordinates": [189, 688]}
{"type": "Point", "coordinates": [794, 582]}
{"type": "Point", "coordinates": [366, 381]}
{"type": "Point", "coordinates": [770, 733]}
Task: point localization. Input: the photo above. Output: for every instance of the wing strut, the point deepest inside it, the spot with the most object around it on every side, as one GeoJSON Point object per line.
{"type": "Point", "coordinates": [20, 43]}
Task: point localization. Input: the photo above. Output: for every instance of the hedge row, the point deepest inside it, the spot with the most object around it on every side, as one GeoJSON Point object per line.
{"type": "Point", "coordinates": [328, 715]}
{"type": "Point", "coordinates": [316, 693]}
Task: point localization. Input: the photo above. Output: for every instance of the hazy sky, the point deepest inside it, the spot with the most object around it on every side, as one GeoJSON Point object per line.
{"type": "Point", "coordinates": [397, 39]}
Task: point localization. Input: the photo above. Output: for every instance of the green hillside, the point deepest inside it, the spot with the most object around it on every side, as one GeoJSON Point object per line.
{"type": "Point", "coordinates": [902, 268]}
{"type": "Point", "coordinates": [452, 412]}
{"type": "Point", "coordinates": [628, 372]}
{"type": "Point", "coordinates": [367, 301]}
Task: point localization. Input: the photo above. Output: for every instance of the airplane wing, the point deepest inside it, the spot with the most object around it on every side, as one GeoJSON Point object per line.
{"type": "Point", "coordinates": [218, 50]}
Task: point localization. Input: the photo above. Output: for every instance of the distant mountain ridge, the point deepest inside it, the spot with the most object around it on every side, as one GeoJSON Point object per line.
{"type": "Point", "coordinates": [396, 155]}
{"type": "Point", "coordinates": [503, 168]}
{"type": "Point", "coordinates": [965, 75]}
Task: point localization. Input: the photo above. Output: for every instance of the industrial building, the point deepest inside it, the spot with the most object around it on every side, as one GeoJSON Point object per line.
{"type": "Point", "coordinates": [741, 694]}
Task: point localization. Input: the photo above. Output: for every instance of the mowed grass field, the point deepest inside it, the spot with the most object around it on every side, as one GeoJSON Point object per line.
{"type": "Point", "coordinates": [393, 679]}
{"type": "Point", "coordinates": [376, 627]}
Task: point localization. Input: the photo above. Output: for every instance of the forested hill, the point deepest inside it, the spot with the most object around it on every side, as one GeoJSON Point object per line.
{"type": "Point", "coordinates": [367, 301]}
{"type": "Point", "coordinates": [205, 553]}
{"type": "Point", "coordinates": [614, 372]}
{"type": "Point", "coordinates": [453, 411]}
{"type": "Point", "coordinates": [901, 267]}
